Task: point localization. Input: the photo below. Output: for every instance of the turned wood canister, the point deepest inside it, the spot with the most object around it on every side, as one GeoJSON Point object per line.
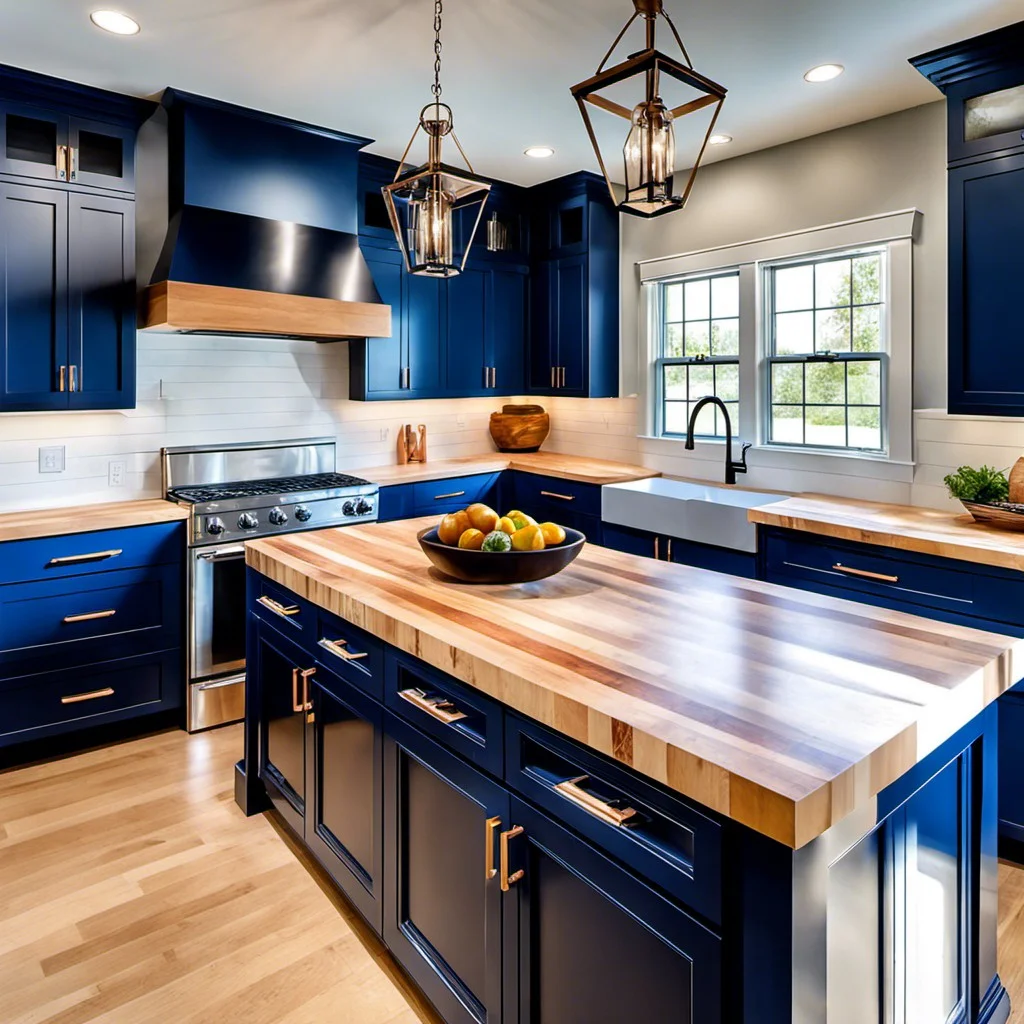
{"type": "Point", "coordinates": [520, 428]}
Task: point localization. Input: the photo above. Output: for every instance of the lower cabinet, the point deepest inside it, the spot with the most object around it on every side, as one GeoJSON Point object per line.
{"type": "Point", "coordinates": [681, 552]}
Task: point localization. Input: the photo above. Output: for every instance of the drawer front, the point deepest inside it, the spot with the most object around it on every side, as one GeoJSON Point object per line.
{"type": "Point", "coordinates": [89, 618]}
{"type": "Point", "coordinates": [350, 653]}
{"type": "Point", "coordinates": [655, 834]}
{"type": "Point", "coordinates": [455, 715]}
{"type": "Point", "coordinates": [280, 608]}
{"type": "Point", "coordinates": [66, 701]}
{"type": "Point", "coordinates": [455, 493]}
{"type": "Point", "coordinates": [398, 502]}
{"type": "Point", "coordinates": [83, 553]}
{"type": "Point", "coordinates": [549, 498]}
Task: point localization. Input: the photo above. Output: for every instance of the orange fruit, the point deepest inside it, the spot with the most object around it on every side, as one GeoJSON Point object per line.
{"type": "Point", "coordinates": [472, 540]}
{"type": "Point", "coordinates": [482, 517]}
{"type": "Point", "coordinates": [553, 534]}
{"type": "Point", "coordinates": [529, 538]}
{"type": "Point", "coordinates": [452, 527]}
{"type": "Point", "coordinates": [506, 525]}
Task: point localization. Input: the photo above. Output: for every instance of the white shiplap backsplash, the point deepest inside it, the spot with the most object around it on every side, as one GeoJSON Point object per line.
{"type": "Point", "coordinates": [202, 389]}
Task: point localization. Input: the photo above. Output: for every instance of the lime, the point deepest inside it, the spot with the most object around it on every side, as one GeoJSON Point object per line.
{"type": "Point", "coordinates": [497, 540]}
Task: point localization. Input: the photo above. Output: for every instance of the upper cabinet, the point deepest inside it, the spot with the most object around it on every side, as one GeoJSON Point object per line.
{"type": "Point", "coordinates": [983, 79]}
{"type": "Point", "coordinates": [67, 245]}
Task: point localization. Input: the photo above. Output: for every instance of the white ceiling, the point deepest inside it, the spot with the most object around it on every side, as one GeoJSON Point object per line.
{"type": "Point", "coordinates": [366, 67]}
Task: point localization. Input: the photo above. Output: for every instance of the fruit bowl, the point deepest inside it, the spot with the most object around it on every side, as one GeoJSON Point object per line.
{"type": "Point", "coordinates": [500, 567]}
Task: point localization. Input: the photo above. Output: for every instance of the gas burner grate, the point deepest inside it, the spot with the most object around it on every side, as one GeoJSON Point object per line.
{"type": "Point", "coordinates": [260, 488]}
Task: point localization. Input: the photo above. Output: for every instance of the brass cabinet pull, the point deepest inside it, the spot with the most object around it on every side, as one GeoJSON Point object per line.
{"type": "Point", "coordinates": [561, 382]}
{"type": "Point", "coordinates": [598, 808]}
{"type": "Point", "coordinates": [879, 577]}
{"type": "Point", "coordinates": [73, 163]}
{"type": "Point", "coordinates": [657, 546]}
{"type": "Point", "coordinates": [490, 825]}
{"type": "Point", "coordinates": [296, 703]}
{"type": "Point", "coordinates": [90, 616]}
{"type": "Point", "coordinates": [307, 674]}
{"type": "Point", "coordinates": [437, 707]}
{"type": "Point", "coordinates": [507, 880]}
{"type": "Point", "coordinates": [277, 608]}
{"type": "Point", "coordinates": [62, 163]}
{"type": "Point", "coordinates": [79, 698]}
{"type": "Point", "coordinates": [454, 494]}
{"type": "Point", "coordinates": [558, 497]}
{"type": "Point", "coordinates": [62, 379]}
{"type": "Point", "coordinates": [553, 372]}
{"type": "Point", "coordinates": [668, 553]}
{"type": "Point", "coordinates": [74, 378]}
{"type": "Point", "coordinates": [92, 556]}
{"type": "Point", "coordinates": [336, 647]}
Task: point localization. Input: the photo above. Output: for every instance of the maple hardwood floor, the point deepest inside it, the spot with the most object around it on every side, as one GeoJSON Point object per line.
{"type": "Point", "coordinates": [133, 891]}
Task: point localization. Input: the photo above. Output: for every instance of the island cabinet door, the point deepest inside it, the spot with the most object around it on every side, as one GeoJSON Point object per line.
{"type": "Point", "coordinates": [443, 901]}
{"type": "Point", "coordinates": [586, 942]}
{"type": "Point", "coordinates": [344, 804]}
{"type": "Point", "coordinates": [283, 672]}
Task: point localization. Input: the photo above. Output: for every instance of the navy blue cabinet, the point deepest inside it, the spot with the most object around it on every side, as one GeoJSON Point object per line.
{"type": "Point", "coordinates": [435, 497]}
{"type": "Point", "coordinates": [376, 365]}
{"type": "Point", "coordinates": [682, 552]}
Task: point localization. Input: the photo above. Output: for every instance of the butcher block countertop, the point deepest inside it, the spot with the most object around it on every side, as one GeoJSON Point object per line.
{"type": "Point", "coordinates": [565, 467]}
{"type": "Point", "coordinates": [905, 527]}
{"type": "Point", "coordinates": [780, 709]}
{"type": "Point", "coordinates": [54, 522]}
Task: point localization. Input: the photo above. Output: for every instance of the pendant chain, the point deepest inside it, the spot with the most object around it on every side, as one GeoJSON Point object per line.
{"type": "Point", "coordinates": [436, 87]}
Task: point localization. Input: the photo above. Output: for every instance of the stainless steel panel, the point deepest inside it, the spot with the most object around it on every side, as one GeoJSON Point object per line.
{"type": "Point", "coordinates": [216, 702]}
{"type": "Point", "coordinates": [204, 644]}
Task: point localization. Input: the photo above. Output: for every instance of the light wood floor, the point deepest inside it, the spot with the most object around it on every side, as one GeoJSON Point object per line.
{"type": "Point", "coordinates": [133, 891]}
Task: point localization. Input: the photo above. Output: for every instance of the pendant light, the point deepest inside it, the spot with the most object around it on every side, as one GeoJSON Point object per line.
{"type": "Point", "coordinates": [649, 154]}
{"type": "Point", "coordinates": [435, 210]}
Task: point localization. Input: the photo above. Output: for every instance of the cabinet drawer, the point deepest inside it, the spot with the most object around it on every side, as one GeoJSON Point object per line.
{"type": "Point", "coordinates": [88, 618]}
{"type": "Point", "coordinates": [455, 493]}
{"type": "Point", "coordinates": [457, 716]}
{"type": "Point", "coordinates": [64, 701]}
{"type": "Point", "coordinates": [278, 606]}
{"type": "Point", "coordinates": [397, 502]}
{"type": "Point", "coordinates": [549, 498]}
{"type": "Point", "coordinates": [351, 653]}
{"type": "Point", "coordinates": [656, 835]}
{"type": "Point", "coordinates": [82, 553]}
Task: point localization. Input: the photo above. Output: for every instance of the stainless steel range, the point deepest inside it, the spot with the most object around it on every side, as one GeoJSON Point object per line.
{"type": "Point", "coordinates": [237, 493]}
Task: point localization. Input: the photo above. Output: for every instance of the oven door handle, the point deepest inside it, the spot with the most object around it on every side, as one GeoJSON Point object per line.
{"type": "Point", "coordinates": [223, 555]}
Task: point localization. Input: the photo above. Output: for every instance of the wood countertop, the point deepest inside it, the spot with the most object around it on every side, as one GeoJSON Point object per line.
{"type": "Point", "coordinates": [565, 467]}
{"type": "Point", "coordinates": [53, 522]}
{"type": "Point", "coordinates": [904, 527]}
{"type": "Point", "coordinates": [781, 709]}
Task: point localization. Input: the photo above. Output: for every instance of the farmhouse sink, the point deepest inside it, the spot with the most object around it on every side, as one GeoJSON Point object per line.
{"type": "Point", "coordinates": [689, 511]}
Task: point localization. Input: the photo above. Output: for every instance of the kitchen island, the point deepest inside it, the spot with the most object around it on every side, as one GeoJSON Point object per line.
{"type": "Point", "coordinates": [737, 800]}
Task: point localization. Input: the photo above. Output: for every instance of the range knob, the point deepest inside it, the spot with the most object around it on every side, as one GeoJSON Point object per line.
{"type": "Point", "coordinates": [215, 526]}
{"type": "Point", "coordinates": [247, 521]}
{"type": "Point", "coordinates": [303, 514]}
{"type": "Point", "coordinates": [364, 507]}
{"type": "Point", "coordinates": [278, 516]}
{"type": "Point", "coordinates": [349, 508]}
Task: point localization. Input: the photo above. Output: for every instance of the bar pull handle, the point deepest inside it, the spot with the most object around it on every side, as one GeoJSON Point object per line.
{"type": "Point", "coordinates": [307, 674]}
{"type": "Point", "coordinates": [491, 825]}
{"type": "Point", "coordinates": [598, 808]}
{"type": "Point", "coordinates": [62, 163]}
{"type": "Point", "coordinates": [92, 556]}
{"type": "Point", "coordinates": [439, 708]}
{"type": "Point", "coordinates": [508, 880]}
{"type": "Point", "coordinates": [657, 549]}
{"type": "Point", "coordinates": [557, 496]}
{"type": "Point", "coordinates": [81, 698]}
{"type": "Point", "coordinates": [454, 494]}
{"type": "Point", "coordinates": [668, 553]}
{"type": "Point", "coordinates": [494, 376]}
{"type": "Point", "coordinates": [62, 379]}
{"type": "Point", "coordinates": [863, 574]}
{"type": "Point", "coordinates": [90, 616]}
{"type": "Point", "coordinates": [223, 555]}
{"type": "Point", "coordinates": [296, 703]}
{"type": "Point", "coordinates": [74, 378]}
{"type": "Point", "coordinates": [73, 163]}
{"type": "Point", "coordinates": [554, 371]}
{"type": "Point", "coordinates": [336, 647]}
{"type": "Point", "coordinates": [405, 376]}
{"type": "Point", "coordinates": [561, 377]}
{"type": "Point", "coordinates": [277, 608]}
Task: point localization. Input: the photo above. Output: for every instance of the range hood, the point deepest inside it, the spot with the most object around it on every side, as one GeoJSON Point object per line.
{"type": "Point", "coordinates": [260, 235]}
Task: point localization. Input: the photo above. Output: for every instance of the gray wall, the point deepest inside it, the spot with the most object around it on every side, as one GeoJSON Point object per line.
{"type": "Point", "coordinates": [891, 163]}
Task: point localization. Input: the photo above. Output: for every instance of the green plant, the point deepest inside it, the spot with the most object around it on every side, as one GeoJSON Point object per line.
{"type": "Point", "coordinates": [985, 485]}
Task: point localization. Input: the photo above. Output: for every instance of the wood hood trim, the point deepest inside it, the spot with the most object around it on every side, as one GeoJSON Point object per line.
{"type": "Point", "coordinates": [183, 306]}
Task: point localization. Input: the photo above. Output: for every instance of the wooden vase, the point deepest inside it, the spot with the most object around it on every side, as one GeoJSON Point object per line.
{"type": "Point", "coordinates": [520, 428]}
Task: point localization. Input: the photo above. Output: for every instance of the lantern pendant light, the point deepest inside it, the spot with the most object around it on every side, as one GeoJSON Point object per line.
{"type": "Point", "coordinates": [650, 150]}
{"type": "Point", "coordinates": [435, 210]}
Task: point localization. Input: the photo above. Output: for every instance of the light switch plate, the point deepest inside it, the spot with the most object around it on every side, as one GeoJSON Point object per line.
{"type": "Point", "coordinates": [51, 460]}
{"type": "Point", "coordinates": [117, 471]}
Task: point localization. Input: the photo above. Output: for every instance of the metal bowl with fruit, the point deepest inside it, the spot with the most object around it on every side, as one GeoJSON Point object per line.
{"type": "Point", "coordinates": [476, 545]}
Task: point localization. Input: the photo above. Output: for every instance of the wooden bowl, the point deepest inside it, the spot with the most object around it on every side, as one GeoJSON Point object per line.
{"type": "Point", "coordinates": [1004, 516]}
{"type": "Point", "coordinates": [500, 567]}
{"type": "Point", "coordinates": [520, 432]}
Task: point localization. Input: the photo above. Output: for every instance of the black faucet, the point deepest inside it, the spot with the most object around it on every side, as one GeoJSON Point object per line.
{"type": "Point", "coordinates": [731, 468]}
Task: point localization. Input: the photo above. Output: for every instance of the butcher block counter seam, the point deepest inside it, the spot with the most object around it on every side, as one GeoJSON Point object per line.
{"type": "Point", "coordinates": [901, 527]}
{"type": "Point", "coordinates": [762, 727]}
{"type": "Point", "coordinates": [57, 522]}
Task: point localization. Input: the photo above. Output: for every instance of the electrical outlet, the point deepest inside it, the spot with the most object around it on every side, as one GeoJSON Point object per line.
{"type": "Point", "coordinates": [385, 433]}
{"type": "Point", "coordinates": [117, 471]}
{"type": "Point", "coordinates": [51, 460]}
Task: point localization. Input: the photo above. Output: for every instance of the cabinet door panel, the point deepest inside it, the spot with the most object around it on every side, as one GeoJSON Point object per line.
{"type": "Point", "coordinates": [543, 329]}
{"type": "Point", "coordinates": [102, 155]}
{"type": "Point", "coordinates": [383, 358]}
{"type": "Point", "coordinates": [464, 348]}
{"type": "Point", "coordinates": [506, 329]}
{"type": "Point", "coordinates": [442, 915]}
{"type": "Point", "coordinates": [101, 278]}
{"type": "Point", "coordinates": [1011, 766]}
{"type": "Point", "coordinates": [573, 324]}
{"type": "Point", "coordinates": [581, 917]}
{"type": "Point", "coordinates": [424, 343]}
{"type": "Point", "coordinates": [31, 141]}
{"type": "Point", "coordinates": [33, 297]}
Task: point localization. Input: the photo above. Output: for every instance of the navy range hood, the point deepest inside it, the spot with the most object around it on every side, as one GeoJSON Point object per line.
{"type": "Point", "coordinates": [261, 229]}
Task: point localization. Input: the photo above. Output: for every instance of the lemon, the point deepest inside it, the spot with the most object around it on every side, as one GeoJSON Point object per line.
{"type": "Point", "coordinates": [529, 538]}
{"type": "Point", "coordinates": [553, 534]}
{"type": "Point", "coordinates": [472, 540]}
{"type": "Point", "coordinates": [506, 525]}
{"type": "Point", "coordinates": [521, 520]}
{"type": "Point", "coordinates": [497, 540]}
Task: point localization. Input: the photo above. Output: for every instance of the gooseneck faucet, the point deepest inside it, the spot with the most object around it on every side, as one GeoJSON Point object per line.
{"type": "Point", "coordinates": [731, 468]}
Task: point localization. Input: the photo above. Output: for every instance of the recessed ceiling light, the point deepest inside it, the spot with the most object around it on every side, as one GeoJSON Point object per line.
{"type": "Point", "coordinates": [116, 22]}
{"type": "Point", "coordinates": [539, 152]}
{"type": "Point", "coordinates": [719, 140]}
{"type": "Point", "coordinates": [824, 73]}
